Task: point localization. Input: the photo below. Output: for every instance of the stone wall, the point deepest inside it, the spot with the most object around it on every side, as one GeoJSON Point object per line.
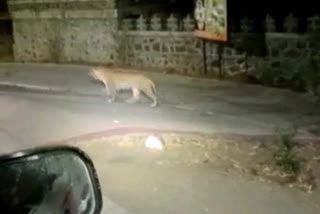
{"type": "Point", "coordinates": [71, 40]}
{"type": "Point", "coordinates": [182, 52]}
{"type": "Point", "coordinates": [90, 31]}
{"type": "Point", "coordinates": [64, 31]}
{"type": "Point", "coordinates": [289, 48]}
{"type": "Point", "coordinates": [178, 50]}
{"type": "Point", "coordinates": [284, 59]}
{"type": "Point", "coordinates": [292, 61]}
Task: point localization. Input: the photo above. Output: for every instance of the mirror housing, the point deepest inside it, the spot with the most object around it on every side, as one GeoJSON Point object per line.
{"type": "Point", "coordinates": [55, 179]}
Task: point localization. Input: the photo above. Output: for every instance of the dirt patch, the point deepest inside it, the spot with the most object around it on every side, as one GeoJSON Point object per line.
{"type": "Point", "coordinates": [252, 157]}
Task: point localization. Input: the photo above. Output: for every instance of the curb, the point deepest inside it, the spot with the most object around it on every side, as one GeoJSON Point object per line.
{"type": "Point", "coordinates": [22, 87]}
{"type": "Point", "coordinates": [128, 130]}
{"type": "Point", "coordinates": [115, 132]}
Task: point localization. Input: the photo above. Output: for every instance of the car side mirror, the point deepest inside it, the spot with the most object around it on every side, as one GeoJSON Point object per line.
{"type": "Point", "coordinates": [55, 180]}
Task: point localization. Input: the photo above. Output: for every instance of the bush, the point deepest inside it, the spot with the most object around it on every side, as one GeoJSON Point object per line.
{"type": "Point", "coordinates": [285, 156]}
{"type": "Point", "coordinates": [303, 75]}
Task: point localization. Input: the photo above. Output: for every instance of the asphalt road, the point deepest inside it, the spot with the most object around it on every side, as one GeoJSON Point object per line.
{"type": "Point", "coordinates": [188, 104]}
{"type": "Point", "coordinates": [135, 184]}
{"type": "Point", "coordinates": [30, 119]}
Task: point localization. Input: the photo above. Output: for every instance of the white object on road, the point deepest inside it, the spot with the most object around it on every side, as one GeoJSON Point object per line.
{"type": "Point", "coordinates": [154, 143]}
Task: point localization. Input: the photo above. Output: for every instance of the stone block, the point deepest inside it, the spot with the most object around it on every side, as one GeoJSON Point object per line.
{"type": "Point", "coordinates": [292, 53]}
{"type": "Point", "coordinates": [301, 44]}
{"type": "Point", "coordinates": [274, 52]}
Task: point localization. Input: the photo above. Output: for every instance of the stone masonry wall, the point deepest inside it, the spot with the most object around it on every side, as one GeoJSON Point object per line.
{"type": "Point", "coordinates": [89, 31]}
{"type": "Point", "coordinates": [175, 50]}
{"type": "Point", "coordinates": [157, 43]}
{"type": "Point", "coordinates": [64, 31]}
{"type": "Point", "coordinates": [182, 52]}
{"type": "Point", "coordinates": [286, 48]}
{"type": "Point", "coordinates": [72, 40]}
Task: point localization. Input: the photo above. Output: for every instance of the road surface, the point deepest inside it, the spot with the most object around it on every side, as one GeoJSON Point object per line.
{"type": "Point", "coordinates": [29, 119]}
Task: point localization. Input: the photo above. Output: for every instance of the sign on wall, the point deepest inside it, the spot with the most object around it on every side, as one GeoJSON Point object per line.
{"type": "Point", "coordinates": [211, 19]}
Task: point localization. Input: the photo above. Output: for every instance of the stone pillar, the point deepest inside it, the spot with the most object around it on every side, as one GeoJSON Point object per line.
{"type": "Point", "coordinates": [64, 31]}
